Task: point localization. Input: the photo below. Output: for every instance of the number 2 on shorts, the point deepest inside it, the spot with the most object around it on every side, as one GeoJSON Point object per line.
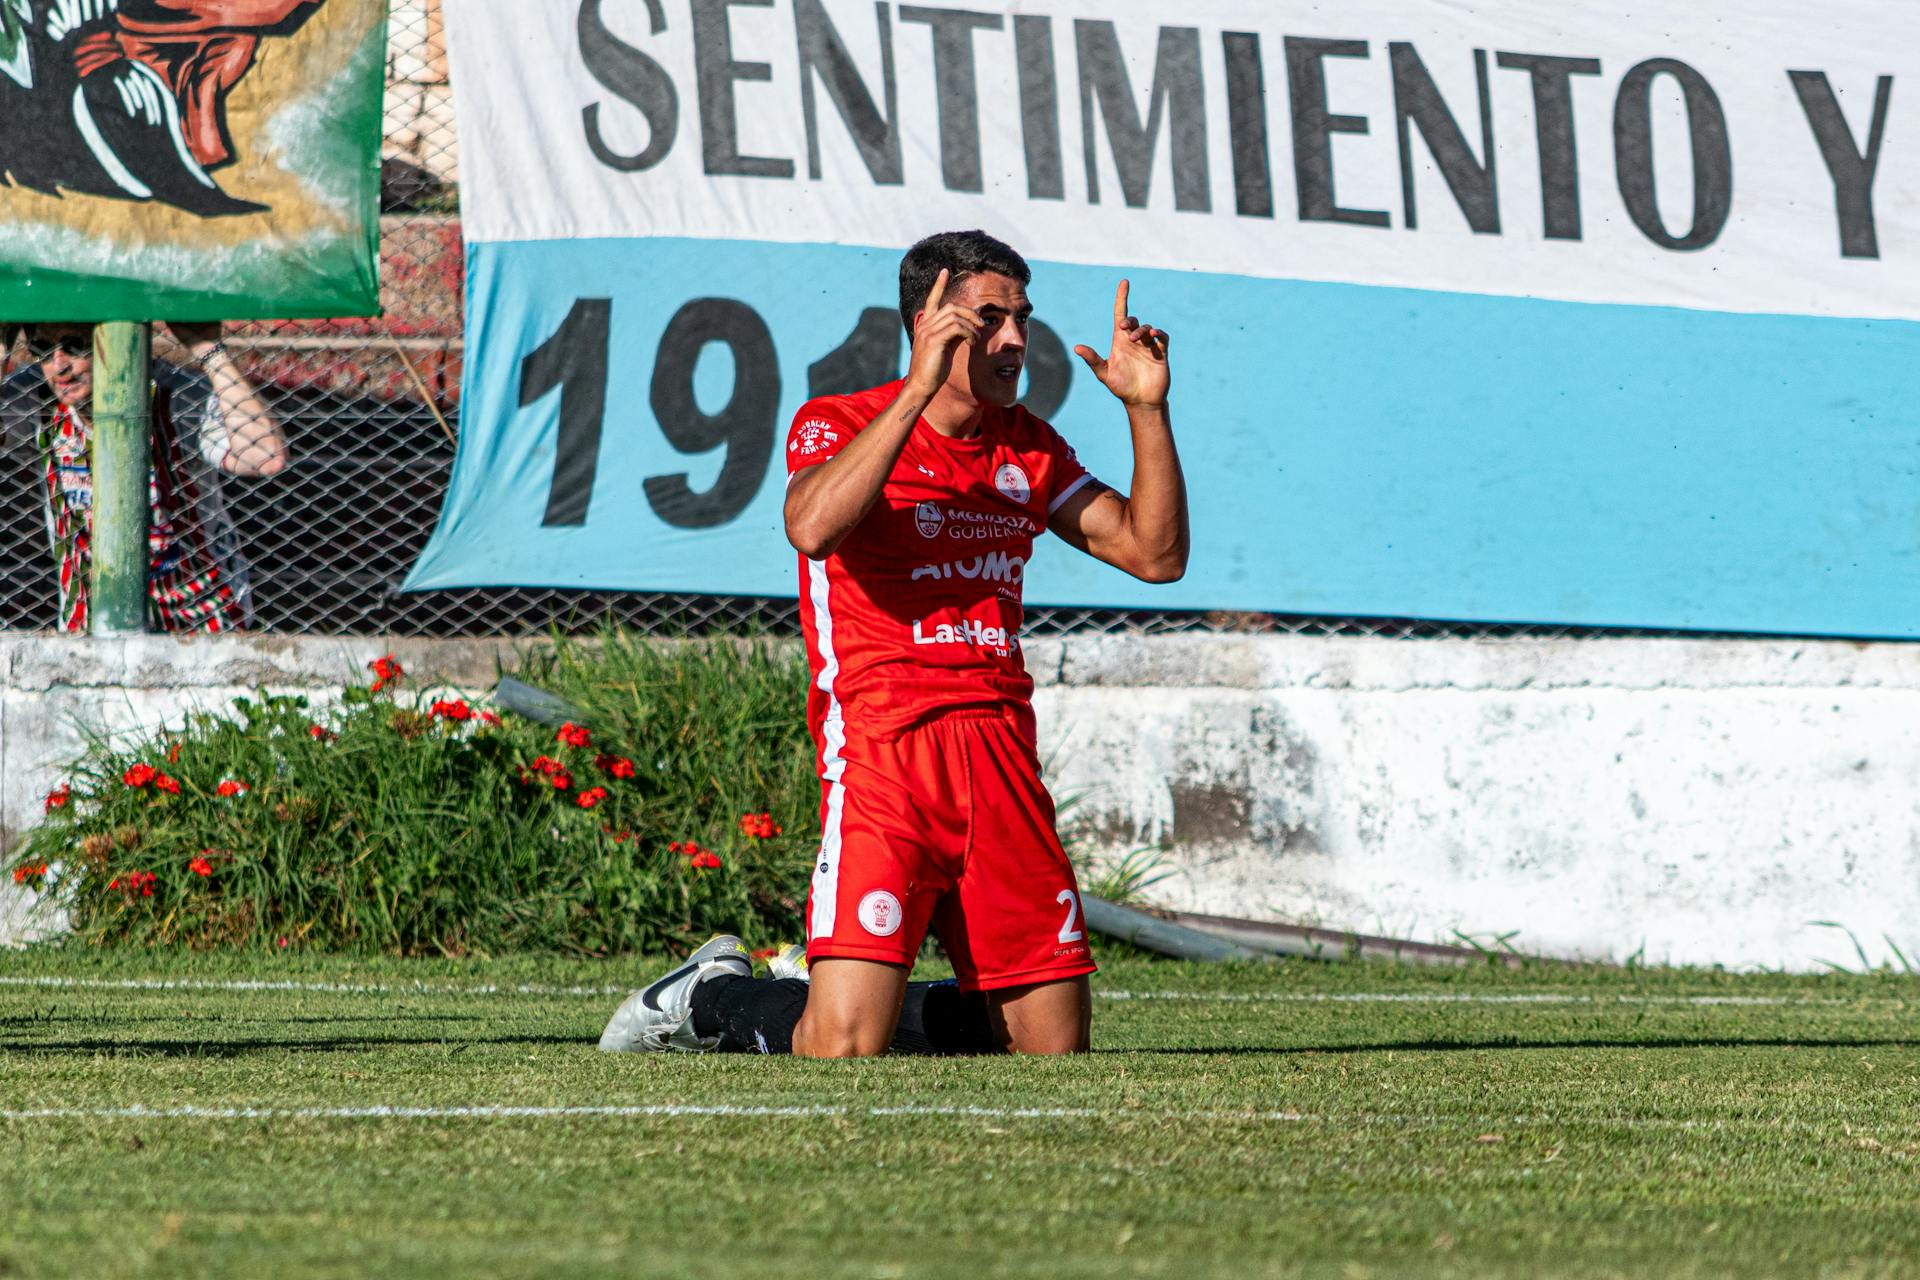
{"type": "Point", "coordinates": [1068, 931]}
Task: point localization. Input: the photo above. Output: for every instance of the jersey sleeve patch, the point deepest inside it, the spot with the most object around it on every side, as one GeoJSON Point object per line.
{"type": "Point", "coordinates": [818, 434]}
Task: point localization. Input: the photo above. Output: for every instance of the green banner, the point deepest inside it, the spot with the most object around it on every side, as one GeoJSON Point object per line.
{"type": "Point", "coordinates": [190, 159]}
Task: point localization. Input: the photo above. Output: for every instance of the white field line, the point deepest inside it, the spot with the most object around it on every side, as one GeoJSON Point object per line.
{"type": "Point", "coordinates": [55, 982]}
{"type": "Point", "coordinates": [329, 988]}
{"type": "Point", "coordinates": [1460, 997]}
{"type": "Point", "coordinates": [670, 1111]}
{"type": "Point", "coordinates": [1102, 1115]}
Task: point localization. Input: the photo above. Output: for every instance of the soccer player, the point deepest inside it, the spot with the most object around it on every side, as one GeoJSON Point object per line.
{"type": "Point", "coordinates": [914, 507]}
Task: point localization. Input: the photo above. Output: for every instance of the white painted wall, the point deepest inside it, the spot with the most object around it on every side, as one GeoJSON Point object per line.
{"type": "Point", "coordinates": [1697, 801]}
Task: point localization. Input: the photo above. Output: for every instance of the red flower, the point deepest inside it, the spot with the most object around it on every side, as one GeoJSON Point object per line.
{"type": "Point", "coordinates": [766, 953]}
{"type": "Point", "coordinates": [452, 709]}
{"type": "Point", "coordinates": [232, 787]}
{"type": "Point", "coordinates": [161, 782]}
{"type": "Point", "coordinates": [58, 797]}
{"type": "Point", "coordinates": [591, 797]}
{"type": "Point", "coordinates": [200, 866]}
{"type": "Point", "coordinates": [140, 882]}
{"type": "Point", "coordinates": [318, 732]}
{"type": "Point", "coordinates": [173, 753]}
{"type": "Point", "coordinates": [139, 775]}
{"type": "Point", "coordinates": [29, 871]}
{"type": "Point", "coordinates": [573, 735]}
{"type": "Point", "coordinates": [488, 717]}
{"type": "Point", "coordinates": [694, 854]}
{"type": "Point", "coordinates": [386, 670]}
{"type": "Point", "coordinates": [555, 771]}
{"type": "Point", "coordinates": [614, 766]}
{"type": "Point", "coordinates": [760, 826]}
{"type": "Point", "coordinates": [282, 943]}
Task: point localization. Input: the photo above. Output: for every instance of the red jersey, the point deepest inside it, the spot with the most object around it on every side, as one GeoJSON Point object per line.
{"type": "Point", "coordinates": [918, 611]}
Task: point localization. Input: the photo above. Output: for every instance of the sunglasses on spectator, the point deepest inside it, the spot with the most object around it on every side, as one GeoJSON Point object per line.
{"type": "Point", "coordinates": [42, 346]}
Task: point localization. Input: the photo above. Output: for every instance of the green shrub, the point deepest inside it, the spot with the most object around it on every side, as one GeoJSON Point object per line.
{"type": "Point", "coordinates": [416, 824]}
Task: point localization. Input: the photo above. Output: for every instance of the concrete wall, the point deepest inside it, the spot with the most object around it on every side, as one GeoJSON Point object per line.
{"type": "Point", "coordinates": [1695, 801]}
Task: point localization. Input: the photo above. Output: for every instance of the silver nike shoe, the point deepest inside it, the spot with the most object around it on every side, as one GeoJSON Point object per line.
{"type": "Point", "coordinates": [660, 1017]}
{"type": "Point", "coordinates": [789, 962]}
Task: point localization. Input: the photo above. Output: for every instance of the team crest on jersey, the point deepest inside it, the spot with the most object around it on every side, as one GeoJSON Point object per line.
{"type": "Point", "coordinates": [927, 519]}
{"type": "Point", "coordinates": [1012, 481]}
{"type": "Point", "coordinates": [880, 914]}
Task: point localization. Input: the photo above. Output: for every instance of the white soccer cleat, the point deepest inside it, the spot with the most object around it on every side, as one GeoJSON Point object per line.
{"type": "Point", "coordinates": [789, 962]}
{"type": "Point", "coordinates": [659, 1017]}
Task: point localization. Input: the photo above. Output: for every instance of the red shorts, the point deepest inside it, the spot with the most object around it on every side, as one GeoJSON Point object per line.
{"type": "Point", "coordinates": [946, 825]}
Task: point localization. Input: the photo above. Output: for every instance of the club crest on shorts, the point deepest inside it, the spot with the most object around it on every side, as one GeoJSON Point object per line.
{"type": "Point", "coordinates": [880, 914]}
{"type": "Point", "coordinates": [927, 519]}
{"type": "Point", "coordinates": [1011, 481]}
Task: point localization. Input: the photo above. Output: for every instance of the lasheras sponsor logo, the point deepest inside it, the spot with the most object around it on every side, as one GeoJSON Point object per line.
{"type": "Point", "coordinates": [981, 635]}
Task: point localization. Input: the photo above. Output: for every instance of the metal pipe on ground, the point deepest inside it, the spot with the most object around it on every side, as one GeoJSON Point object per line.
{"type": "Point", "coordinates": [1330, 944]}
{"type": "Point", "coordinates": [535, 704]}
{"type": "Point", "coordinates": [1151, 933]}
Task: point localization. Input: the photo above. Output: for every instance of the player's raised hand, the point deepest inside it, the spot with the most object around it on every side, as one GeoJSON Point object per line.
{"type": "Point", "coordinates": [941, 329]}
{"type": "Point", "coordinates": [1135, 368]}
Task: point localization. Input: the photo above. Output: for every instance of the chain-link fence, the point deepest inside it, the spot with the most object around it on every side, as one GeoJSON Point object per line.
{"type": "Point", "coordinates": [370, 412]}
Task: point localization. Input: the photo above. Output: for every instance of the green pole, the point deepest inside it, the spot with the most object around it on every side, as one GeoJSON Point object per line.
{"type": "Point", "coordinates": [122, 404]}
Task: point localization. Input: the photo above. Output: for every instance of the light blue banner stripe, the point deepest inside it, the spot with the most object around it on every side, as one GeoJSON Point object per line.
{"type": "Point", "coordinates": [1349, 450]}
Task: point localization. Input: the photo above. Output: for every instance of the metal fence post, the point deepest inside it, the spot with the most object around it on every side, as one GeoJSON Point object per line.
{"type": "Point", "coordinates": [122, 406]}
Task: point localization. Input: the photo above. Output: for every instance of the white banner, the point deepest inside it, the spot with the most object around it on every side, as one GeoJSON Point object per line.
{"type": "Point", "coordinates": [1377, 231]}
{"type": "Point", "coordinates": [1756, 156]}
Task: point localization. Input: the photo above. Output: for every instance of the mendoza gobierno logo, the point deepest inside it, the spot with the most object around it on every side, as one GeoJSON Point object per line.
{"type": "Point", "coordinates": [128, 98]}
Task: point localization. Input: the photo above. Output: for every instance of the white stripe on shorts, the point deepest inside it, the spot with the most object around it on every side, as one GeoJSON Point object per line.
{"type": "Point", "coordinates": [833, 764]}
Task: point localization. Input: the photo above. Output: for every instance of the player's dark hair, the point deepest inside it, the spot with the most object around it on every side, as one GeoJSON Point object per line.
{"type": "Point", "coordinates": [960, 254]}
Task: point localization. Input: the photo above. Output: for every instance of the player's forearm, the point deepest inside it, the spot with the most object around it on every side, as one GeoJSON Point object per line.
{"type": "Point", "coordinates": [825, 502]}
{"type": "Point", "coordinates": [1157, 505]}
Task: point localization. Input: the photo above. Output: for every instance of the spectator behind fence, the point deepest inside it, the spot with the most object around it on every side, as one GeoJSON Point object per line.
{"type": "Point", "coordinates": [207, 421]}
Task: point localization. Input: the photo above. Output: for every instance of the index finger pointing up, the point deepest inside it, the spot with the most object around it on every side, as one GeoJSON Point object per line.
{"type": "Point", "coordinates": [936, 293]}
{"type": "Point", "coordinates": [1120, 306]}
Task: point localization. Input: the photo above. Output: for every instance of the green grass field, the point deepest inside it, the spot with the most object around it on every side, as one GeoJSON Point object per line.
{"type": "Point", "coordinates": [159, 1117]}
